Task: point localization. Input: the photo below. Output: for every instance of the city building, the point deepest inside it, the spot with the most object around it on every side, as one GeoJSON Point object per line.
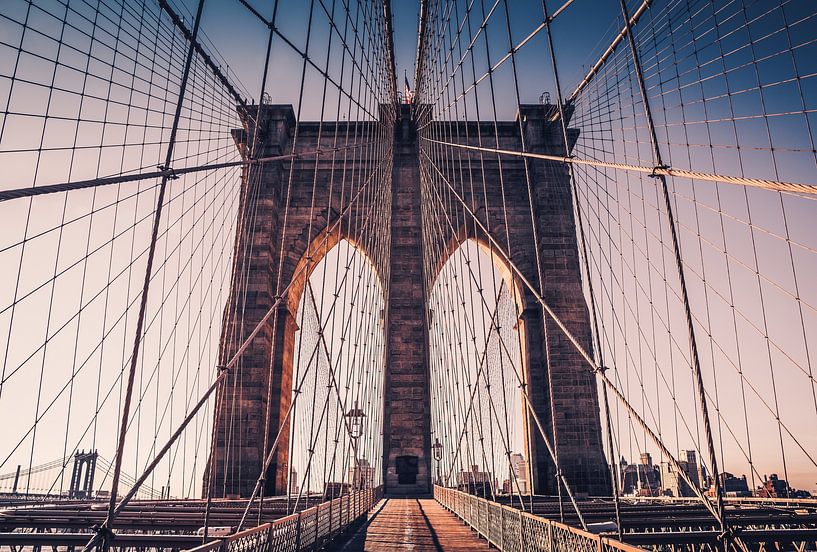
{"type": "Point", "coordinates": [519, 466]}
{"type": "Point", "coordinates": [361, 475]}
{"type": "Point", "coordinates": [293, 477]}
{"type": "Point", "coordinates": [642, 479]}
{"type": "Point", "coordinates": [774, 487]}
{"type": "Point", "coordinates": [334, 489]}
{"type": "Point", "coordinates": [674, 484]}
{"type": "Point", "coordinates": [475, 481]}
{"type": "Point", "coordinates": [731, 485]}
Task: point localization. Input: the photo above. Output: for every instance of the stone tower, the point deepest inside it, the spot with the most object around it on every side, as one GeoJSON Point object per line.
{"type": "Point", "coordinates": [406, 432]}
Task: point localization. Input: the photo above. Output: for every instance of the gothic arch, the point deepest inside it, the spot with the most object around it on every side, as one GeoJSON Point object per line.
{"type": "Point", "coordinates": [322, 243]}
{"type": "Point", "coordinates": [325, 335]}
{"type": "Point", "coordinates": [286, 192]}
{"type": "Point", "coordinates": [499, 263]}
{"type": "Point", "coordinates": [510, 323]}
{"type": "Point", "coordinates": [283, 233]}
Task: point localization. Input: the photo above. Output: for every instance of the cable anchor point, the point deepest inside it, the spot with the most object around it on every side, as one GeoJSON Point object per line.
{"type": "Point", "coordinates": [168, 169]}
{"type": "Point", "coordinates": [104, 533]}
{"type": "Point", "coordinates": [655, 169]}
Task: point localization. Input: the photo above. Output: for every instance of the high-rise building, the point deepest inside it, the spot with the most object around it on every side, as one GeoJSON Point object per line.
{"type": "Point", "coordinates": [293, 477]}
{"type": "Point", "coordinates": [640, 479]}
{"type": "Point", "coordinates": [674, 484]}
{"type": "Point", "coordinates": [691, 467]}
{"type": "Point", "coordinates": [519, 466]}
{"type": "Point", "coordinates": [361, 475]}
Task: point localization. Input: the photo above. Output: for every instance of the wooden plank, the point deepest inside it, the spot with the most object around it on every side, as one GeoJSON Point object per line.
{"type": "Point", "coordinates": [410, 524]}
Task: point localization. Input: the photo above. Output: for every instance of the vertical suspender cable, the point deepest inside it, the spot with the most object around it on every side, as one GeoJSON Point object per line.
{"type": "Point", "coordinates": [693, 346]}
{"type": "Point", "coordinates": [104, 532]}
{"type": "Point", "coordinates": [539, 273]}
{"type": "Point", "coordinates": [253, 154]}
{"type": "Point", "coordinates": [583, 244]}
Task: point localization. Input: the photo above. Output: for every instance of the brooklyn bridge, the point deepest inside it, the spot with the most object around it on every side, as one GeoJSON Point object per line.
{"type": "Point", "coordinates": [284, 275]}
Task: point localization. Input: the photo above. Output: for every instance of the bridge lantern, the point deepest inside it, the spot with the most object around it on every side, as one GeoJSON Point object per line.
{"type": "Point", "coordinates": [437, 449]}
{"type": "Point", "coordinates": [356, 417]}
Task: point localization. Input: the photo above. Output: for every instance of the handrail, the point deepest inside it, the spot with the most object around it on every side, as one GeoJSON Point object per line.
{"type": "Point", "coordinates": [303, 530]}
{"type": "Point", "coordinates": [510, 529]}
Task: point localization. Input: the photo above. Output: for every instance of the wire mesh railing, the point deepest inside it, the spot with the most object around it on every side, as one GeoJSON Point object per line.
{"type": "Point", "coordinates": [308, 529]}
{"type": "Point", "coordinates": [513, 530]}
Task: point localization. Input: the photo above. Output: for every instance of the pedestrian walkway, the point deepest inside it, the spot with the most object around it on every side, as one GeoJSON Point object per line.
{"type": "Point", "coordinates": [402, 524]}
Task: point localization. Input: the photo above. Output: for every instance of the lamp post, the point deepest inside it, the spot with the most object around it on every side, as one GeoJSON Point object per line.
{"type": "Point", "coordinates": [356, 417]}
{"type": "Point", "coordinates": [437, 452]}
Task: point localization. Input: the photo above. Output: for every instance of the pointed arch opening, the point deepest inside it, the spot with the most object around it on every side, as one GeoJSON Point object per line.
{"type": "Point", "coordinates": [337, 374]}
{"type": "Point", "coordinates": [478, 373]}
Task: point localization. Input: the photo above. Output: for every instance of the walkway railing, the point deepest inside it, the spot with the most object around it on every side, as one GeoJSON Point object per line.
{"type": "Point", "coordinates": [302, 530]}
{"type": "Point", "coordinates": [513, 530]}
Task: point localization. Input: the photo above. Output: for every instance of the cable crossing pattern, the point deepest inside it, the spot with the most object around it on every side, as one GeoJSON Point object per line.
{"type": "Point", "coordinates": [560, 283]}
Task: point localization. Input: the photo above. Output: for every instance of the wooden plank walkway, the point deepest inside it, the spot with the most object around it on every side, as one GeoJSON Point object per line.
{"type": "Point", "coordinates": [403, 524]}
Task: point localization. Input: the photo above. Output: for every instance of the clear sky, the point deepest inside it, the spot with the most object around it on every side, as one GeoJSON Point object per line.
{"type": "Point", "coordinates": [579, 35]}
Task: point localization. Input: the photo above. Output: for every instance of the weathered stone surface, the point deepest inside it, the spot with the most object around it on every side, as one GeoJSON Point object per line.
{"type": "Point", "coordinates": [496, 189]}
{"type": "Point", "coordinates": [406, 430]}
{"type": "Point", "coordinates": [239, 430]}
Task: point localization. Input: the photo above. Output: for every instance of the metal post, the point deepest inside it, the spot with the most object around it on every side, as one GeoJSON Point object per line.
{"type": "Point", "coordinates": [502, 528]}
{"type": "Point", "coordinates": [317, 524]}
{"type": "Point", "coordinates": [551, 544]}
{"type": "Point", "coordinates": [331, 509]}
{"type": "Point", "coordinates": [298, 533]}
{"type": "Point", "coordinates": [523, 545]}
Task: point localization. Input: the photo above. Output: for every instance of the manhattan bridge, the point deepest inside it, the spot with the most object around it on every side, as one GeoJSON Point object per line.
{"type": "Point", "coordinates": [422, 275]}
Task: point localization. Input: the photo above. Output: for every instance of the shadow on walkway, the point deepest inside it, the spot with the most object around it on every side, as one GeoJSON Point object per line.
{"type": "Point", "coordinates": [410, 524]}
